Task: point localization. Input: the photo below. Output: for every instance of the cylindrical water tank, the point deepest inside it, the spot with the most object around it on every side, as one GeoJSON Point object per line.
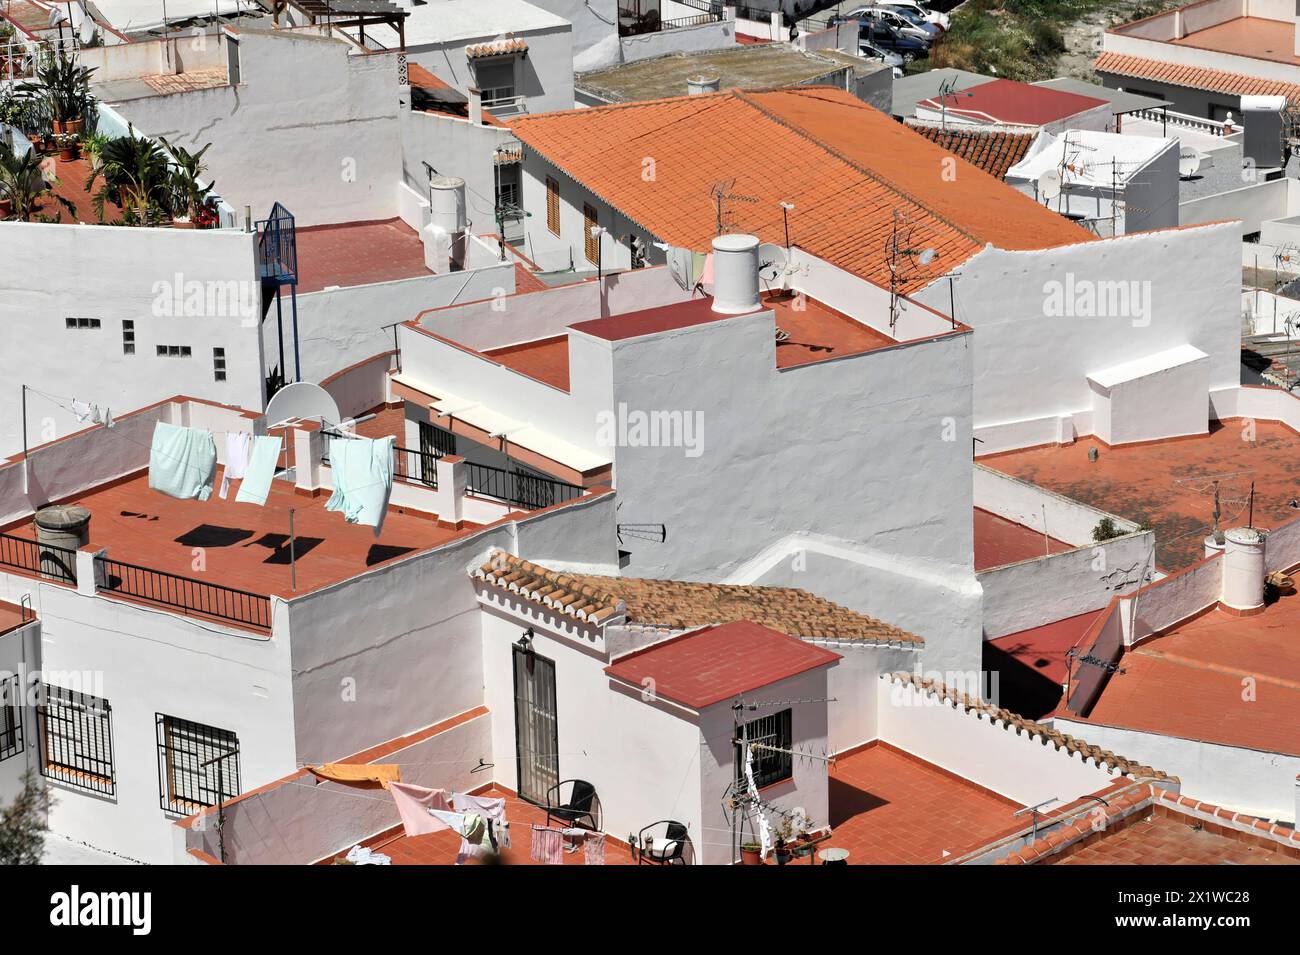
{"type": "Point", "coordinates": [703, 83]}
{"type": "Point", "coordinates": [1243, 569]}
{"type": "Point", "coordinates": [735, 274]}
{"type": "Point", "coordinates": [447, 203]}
{"type": "Point", "coordinates": [61, 529]}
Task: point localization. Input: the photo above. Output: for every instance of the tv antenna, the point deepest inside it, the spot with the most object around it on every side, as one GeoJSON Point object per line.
{"type": "Point", "coordinates": [722, 195]}
{"type": "Point", "coordinates": [901, 254]}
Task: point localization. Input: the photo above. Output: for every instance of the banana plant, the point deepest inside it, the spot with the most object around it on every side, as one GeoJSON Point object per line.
{"type": "Point", "coordinates": [22, 183]}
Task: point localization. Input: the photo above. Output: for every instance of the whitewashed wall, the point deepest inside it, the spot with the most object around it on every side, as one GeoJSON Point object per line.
{"type": "Point", "coordinates": [55, 272]}
{"type": "Point", "coordinates": [19, 655]}
{"type": "Point", "coordinates": [1243, 780]}
{"type": "Point", "coordinates": [309, 126]}
{"type": "Point", "coordinates": [544, 76]}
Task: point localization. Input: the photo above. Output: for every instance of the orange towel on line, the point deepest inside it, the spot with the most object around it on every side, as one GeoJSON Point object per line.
{"type": "Point", "coordinates": [382, 773]}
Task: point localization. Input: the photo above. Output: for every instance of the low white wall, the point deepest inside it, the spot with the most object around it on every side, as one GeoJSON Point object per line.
{"type": "Point", "coordinates": [695, 39]}
{"type": "Point", "coordinates": [1252, 204]}
{"type": "Point", "coordinates": [1166, 602]}
{"type": "Point", "coordinates": [1244, 780]}
{"type": "Point", "coordinates": [1039, 509]}
{"type": "Point", "coordinates": [972, 745]}
{"type": "Point", "coordinates": [1039, 591]}
{"type": "Point", "coordinates": [361, 387]}
{"type": "Point", "coordinates": [314, 819]}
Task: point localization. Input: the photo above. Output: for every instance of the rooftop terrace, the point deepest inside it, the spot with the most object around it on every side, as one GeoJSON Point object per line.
{"type": "Point", "coordinates": [1171, 482]}
{"type": "Point", "coordinates": [999, 541]}
{"type": "Point", "coordinates": [1247, 36]}
{"type": "Point", "coordinates": [1167, 840]}
{"type": "Point", "coordinates": [358, 253]}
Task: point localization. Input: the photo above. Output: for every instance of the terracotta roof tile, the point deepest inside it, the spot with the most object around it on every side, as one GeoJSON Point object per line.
{"type": "Point", "coordinates": [854, 168]}
{"type": "Point", "coordinates": [1196, 77]}
{"type": "Point", "coordinates": [496, 48]}
{"type": "Point", "coordinates": [993, 150]}
{"type": "Point", "coordinates": [682, 605]}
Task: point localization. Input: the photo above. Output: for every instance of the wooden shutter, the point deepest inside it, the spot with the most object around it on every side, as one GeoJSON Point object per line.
{"type": "Point", "coordinates": [552, 205]}
{"type": "Point", "coordinates": [591, 244]}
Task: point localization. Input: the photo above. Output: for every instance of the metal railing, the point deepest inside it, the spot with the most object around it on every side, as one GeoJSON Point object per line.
{"type": "Point", "coordinates": [418, 466]}
{"type": "Point", "coordinates": [277, 246]}
{"type": "Point", "coordinates": [518, 488]}
{"type": "Point", "coordinates": [185, 594]}
{"type": "Point", "coordinates": [43, 560]}
{"type": "Point", "coordinates": [198, 765]}
{"type": "Point", "coordinates": [681, 23]}
{"type": "Point", "coordinates": [76, 738]}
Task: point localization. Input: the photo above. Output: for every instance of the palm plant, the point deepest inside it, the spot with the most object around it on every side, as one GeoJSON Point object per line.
{"type": "Point", "coordinates": [23, 185]}
{"type": "Point", "coordinates": [64, 87]}
{"type": "Point", "coordinates": [187, 193]}
{"type": "Point", "coordinates": [135, 171]}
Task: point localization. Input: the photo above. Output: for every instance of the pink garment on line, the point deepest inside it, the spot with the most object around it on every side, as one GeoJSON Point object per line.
{"type": "Point", "coordinates": [548, 845]}
{"type": "Point", "coordinates": [414, 802]}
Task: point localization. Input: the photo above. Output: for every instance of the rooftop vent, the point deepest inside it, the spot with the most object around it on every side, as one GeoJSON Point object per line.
{"type": "Point", "coordinates": [703, 83]}
{"type": "Point", "coordinates": [62, 528]}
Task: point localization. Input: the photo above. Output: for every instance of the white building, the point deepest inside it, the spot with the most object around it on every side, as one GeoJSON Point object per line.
{"type": "Point", "coordinates": [1110, 183]}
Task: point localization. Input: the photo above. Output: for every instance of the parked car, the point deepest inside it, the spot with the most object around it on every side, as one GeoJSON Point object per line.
{"type": "Point", "coordinates": [894, 18]}
{"type": "Point", "coordinates": [886, 37]}
{"type": "Point", "coordinates": [884, 56]}
{"type": "Point", "coordinates": [941, 20]}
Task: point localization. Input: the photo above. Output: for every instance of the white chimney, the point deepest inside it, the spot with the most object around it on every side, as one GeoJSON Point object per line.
{"type": "Point", "coordinates": [1243, 569]}
{"type": "Point", "coordinates": [444, 236]}
{"type": "Point", "coordinates": [708, 83]}
{"type": "Point", "coordinates": [475, 106]}
{"type": "Point", "coordinates": [735, 274]}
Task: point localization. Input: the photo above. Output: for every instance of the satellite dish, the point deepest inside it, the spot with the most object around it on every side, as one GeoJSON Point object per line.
{"type": "Point", "coordinates": [1188, 163]}
{"type": "Point", "coordinates": [1049, 184]}
{"type": "Point", "coordinates": [772, 260]}
{"type": "Point", "coordinates": [302, 399]}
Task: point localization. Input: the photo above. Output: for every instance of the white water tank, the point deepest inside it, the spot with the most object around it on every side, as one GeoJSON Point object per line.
{"type": "Point", "coordinates": [1243, 569]}
{"type": "Point", "coordinates": [444, 236]}
{"type": "Point", "coordinates": [703, 83]}
{"type": "Point", "coordinates": [735, 274]}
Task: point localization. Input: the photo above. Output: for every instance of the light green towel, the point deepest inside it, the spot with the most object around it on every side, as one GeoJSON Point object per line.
{"type": "Point", "coordinates": [363, 479]}
{"type": "Point", "coordinates": [182, 462]}
{"type": "Point", "coordinates": [262, 461]}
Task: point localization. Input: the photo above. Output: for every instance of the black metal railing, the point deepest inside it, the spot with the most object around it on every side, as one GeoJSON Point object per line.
{"type": "Point", "coordinates": [198, 765]}
{"type": "Point", "coordinates": [518, 488]}
{"type": "Point", "coordinates": [77, 739]}
{"type": "Point", "coordinates": [33, 557]}
{"type": "Point", "coordinates": [11, 716]}
{"type": "Point", "coordinates": [418, 466]}
{"type": "Point", "coordinates": [185, 594]}
{"type": "Point", "coordinates": [699, 20]}
{"type": "Point", "coordinates": [277, 246]}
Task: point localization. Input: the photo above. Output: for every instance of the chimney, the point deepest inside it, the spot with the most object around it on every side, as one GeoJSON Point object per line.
{"type": "Point", "coordinates": [444, 236]}
{"type": "Point", "coordinates": [1243, 569]}
{"type": "Point", "coordinates": [476, 105]}
{"type": "Point", "coordinates": [711, 83]}
{"type": "Point", "coordinates": [61, 527]}
{"type": "Point", "coordinates": [735, 274]}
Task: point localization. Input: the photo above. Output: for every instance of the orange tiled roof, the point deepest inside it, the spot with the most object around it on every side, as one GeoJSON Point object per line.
{"type": "Point", "coordinates": [682, 605]}
{"type": "Point", "coordinates": [846, 166]}
{"type": "Point", "coordinates": [417, 75]}
{"type": "Point", "coordinates": [995, 151]}
{"type": "Point", "coordinates": [1196, 77]}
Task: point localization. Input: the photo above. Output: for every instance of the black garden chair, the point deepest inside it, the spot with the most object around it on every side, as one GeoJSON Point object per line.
{"type": "Point", "coordinates": [581, 808]}
{"type": "Point", "coordinates": [665, 842]}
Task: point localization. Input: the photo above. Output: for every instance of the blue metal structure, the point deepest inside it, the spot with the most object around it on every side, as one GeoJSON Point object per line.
{"type": "Point", "coordinates": [277, 265]}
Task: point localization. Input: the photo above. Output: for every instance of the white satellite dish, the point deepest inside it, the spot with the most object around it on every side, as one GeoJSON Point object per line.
{"type": "Point", "coordinates": [1049, 184]}
{"type": "Point", "coordinates": [1188, 163]}
{"type": "Point", "coordinates": [772, 260]}
{"type": "Point", "coordinates": [302, 400]}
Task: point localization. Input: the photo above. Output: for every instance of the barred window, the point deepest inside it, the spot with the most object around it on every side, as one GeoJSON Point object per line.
{"type": "Point", "coordinates": [128, 337]}
{"type": "Point", "coordinates": [219, 364]}
{"type": "Point", "coordinates": [11, 717]}
{"type": "Point", "coordinates": [77, 736]}
{"type": "Point", "coordinates": [198, 765]}
{"type": "Point", "coordinates": [173, 351]}
{"type": "Point", "coordinates": [769, 767]}
{"type": "Point", "coordinates": [82, 323]}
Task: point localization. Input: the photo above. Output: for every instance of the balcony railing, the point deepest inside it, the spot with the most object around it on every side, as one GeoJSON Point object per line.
{"type": "Point", "coordinates": [41, 560]}
{"type": "Point", "coordinates": [185, 594]}
{"type": "Point", "coordinates": [518, 488]}
{"type": "Point", "coordinates": [418, 466]}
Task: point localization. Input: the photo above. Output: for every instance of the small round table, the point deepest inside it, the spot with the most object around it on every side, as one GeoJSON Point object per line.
{"type": "Point", "coordinates": [834, 856]}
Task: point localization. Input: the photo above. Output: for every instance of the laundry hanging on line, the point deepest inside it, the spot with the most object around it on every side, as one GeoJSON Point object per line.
{"type": "Point", "coordinates": [237, 446]}
{"type": "Point", "coordinates": [363, 479]}
{"type": "Point", "coordinates": [262, 463]}
{"type": "Point", "coordinates": [182, 462]}
{"type": "Point", "coordinates": [383, 773]}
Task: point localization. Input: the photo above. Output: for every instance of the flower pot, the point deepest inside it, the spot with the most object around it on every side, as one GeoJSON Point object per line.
{"type": "Point", "coordinates": [782, 856]}
{"type": "Point", "coordinates": [60, 127]}
{"type": "Point", "coordinates": [6, 208]}
{"type": "Point", "coordinates": [184, 224]}
{"type": "Point", "coordinates": [751, 855]}
{"type": "Point", "coordinates": [74, 126]}
{"type": "Point", "coordinates": [67, 153]}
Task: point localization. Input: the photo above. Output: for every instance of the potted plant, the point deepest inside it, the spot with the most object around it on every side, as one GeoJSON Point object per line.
{"type": "Point", "coordinates": [188, 194]}
{"type": "Point", "coordinates": [92, 146]}
{"type": "Point", "coordinates": [751, 853]}
{"type": "Point", "coordinates": [22, 187]}
{"type": "Point", "coordinates": [133, 171]}
{"type": "Point", "coordinates": [68, 146]}
{"type": "Point", "coordinates": [64, 86]}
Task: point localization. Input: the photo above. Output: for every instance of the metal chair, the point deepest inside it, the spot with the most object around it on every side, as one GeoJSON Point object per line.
{"type": "Point", "coordinates": [582, 804]}
{"type": "Point", "coordinates": [670, 845]}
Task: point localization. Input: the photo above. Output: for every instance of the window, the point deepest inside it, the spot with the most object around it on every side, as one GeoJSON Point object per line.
{"type": "Point", "coordinates": [197, 765]}
{"type": "Point", "coordinates": [82, 322]}
{"type": "Point", "coordinates": [590, 243]}
{"type": "Point", "coordinates": [173, 351]}
{"type": "Point", "coordinates": [552, 205]}
{"type": "Point", "coordinates": [769, 767]}
{"type": "Point", "coordinates": [11, 717]}
{"type": "Point", "coordinates": [436, 441]}
{"type": "Point", "coordinates": [496, 81]}
{"type": "Point", "coordinates": [128, 337]}
{"type": "Point", "coordinates": [77, 735]}
{"type": "Point", "coordinates": [219, 364]}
